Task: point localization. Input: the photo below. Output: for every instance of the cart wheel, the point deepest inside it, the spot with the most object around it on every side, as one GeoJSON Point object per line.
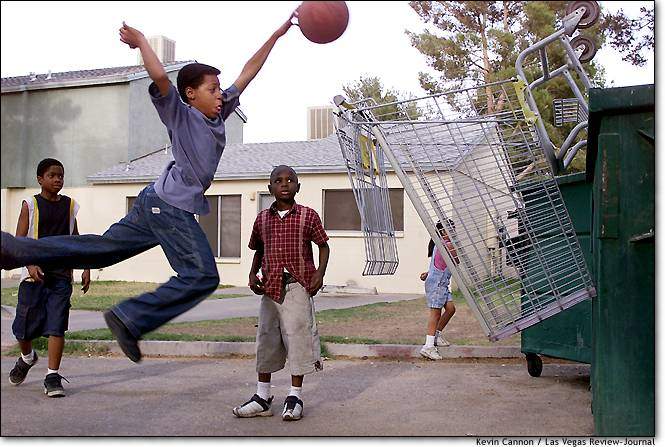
{"type": "Point", "coordinates": [591, 14]}
{"type": "Point", "coordinates": [588, 48]}
{"type": "Point", "coordinates": [534, 365]}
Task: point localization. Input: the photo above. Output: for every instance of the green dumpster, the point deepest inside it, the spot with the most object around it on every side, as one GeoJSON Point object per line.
{"type": "Point", "coordinates": [566, 335]}
{"type": "Point", "coordinates": [621, 163]}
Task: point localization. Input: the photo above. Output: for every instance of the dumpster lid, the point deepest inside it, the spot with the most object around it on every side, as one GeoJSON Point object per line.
{"type": "Point", "coordinates": [612, 101]}
{"type": "Point", "coordinates": [571, 178]}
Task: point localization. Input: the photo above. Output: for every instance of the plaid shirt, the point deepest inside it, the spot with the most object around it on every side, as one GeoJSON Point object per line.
{"type": "Point", "coordinates": [287, 243]}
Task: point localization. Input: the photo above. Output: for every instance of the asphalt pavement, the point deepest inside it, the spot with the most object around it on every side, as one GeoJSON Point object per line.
{"type": "Point", "coordinates": [110, 396]}
{"type": "Point", "coordinates": [189, 388]}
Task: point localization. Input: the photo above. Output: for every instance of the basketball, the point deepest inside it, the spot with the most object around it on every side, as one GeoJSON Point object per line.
{"type": "Point", "coordinates": [322, 22]}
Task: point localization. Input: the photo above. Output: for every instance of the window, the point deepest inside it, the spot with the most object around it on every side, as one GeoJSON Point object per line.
{"type": "Point", "coordinates": [265, 200]}
{"type": "Point", "coordinates": [130, 203]}
{"type": "Point", "coordinates": [222, 225]}
{"type": "Point", "coordinates": [340, 211]}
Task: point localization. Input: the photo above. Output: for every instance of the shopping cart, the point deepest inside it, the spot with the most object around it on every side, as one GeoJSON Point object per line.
{"type": "Point", "coordinates": [477, 161]}
{"type": "Point", "coordinates": [366, 165]}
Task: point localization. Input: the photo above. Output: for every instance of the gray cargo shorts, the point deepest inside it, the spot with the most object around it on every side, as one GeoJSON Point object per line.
{"type": "Point", "coordinates": [288, 330]}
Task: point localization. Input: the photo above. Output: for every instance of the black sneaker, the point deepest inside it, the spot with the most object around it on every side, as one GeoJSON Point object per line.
{"type": "Point", "coordinates": [20, 371]}
{"type": "Point", "coordinates": [292, 409]}
{"type": "Point", "coordinates": [127, 342]}
{"type": "Point", "coordinates": [53, 385]}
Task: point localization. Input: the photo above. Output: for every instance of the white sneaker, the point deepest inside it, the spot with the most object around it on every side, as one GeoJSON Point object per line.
{"type": "Point", "coordinates": [441, 341]}
{"type": "Point", "coordinates": [292, 409]}
{"type": "Point", "coordinates": [256, 406]}
{"type": "Point", "coordinates": [430, 352]}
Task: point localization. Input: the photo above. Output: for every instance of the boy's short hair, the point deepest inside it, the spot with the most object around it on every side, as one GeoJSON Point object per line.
{"type": "Point", "coordinates": [46, 163]}
{"type": "Point", "coordinates": [281, 168]}
{"type": "Point", "coordinates": [191, 75]}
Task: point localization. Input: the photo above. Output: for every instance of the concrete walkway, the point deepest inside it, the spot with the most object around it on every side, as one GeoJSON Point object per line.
{"type": "Point", "coordinates": [194, 397]}
{"type": "Point", "coordinates": [217, 309]}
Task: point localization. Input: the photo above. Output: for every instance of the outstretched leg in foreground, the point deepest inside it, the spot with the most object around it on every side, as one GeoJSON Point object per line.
{"type": "Point", "coordinates": [123, 240]}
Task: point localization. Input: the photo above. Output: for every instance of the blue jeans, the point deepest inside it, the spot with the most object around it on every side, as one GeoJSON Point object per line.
{"type": "Point", "coordinates": [150, 222]}
{"type": "Point", "coordinates": [437, 291]}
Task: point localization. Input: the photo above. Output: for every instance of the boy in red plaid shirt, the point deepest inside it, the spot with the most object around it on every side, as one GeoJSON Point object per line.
{"type": "Point", "coordinates": [282, 237]}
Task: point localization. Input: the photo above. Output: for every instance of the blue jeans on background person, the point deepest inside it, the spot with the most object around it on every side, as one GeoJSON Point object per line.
{"type": "Point", "coordinates": [149, 223]}
{"type": "Point", "coordinates": [437, 287]}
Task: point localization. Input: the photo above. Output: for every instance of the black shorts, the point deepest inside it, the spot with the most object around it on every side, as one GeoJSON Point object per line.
{"type": "Point", "coordinates": [42, 309]}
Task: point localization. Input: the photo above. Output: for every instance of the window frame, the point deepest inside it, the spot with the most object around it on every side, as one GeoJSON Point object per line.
{"type": "Point", "coordinates": [218, 251]}
{"type": "Point", "coordinates": [128, 207]}
{"type": "Point", "coordinates": [258, 200]}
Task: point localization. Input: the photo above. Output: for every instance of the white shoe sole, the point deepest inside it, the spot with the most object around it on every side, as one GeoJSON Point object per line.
{"type": "Point", "coordinates": [428, 357]}
{"type": "Point", "coordinates": [253, 415]}
{"type": "Point", "coordinates": [60, 393]}
{"type": "Point", "coordinates": [291, 417]}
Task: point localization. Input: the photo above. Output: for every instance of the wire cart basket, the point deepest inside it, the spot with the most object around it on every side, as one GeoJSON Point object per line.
{"type": "Point", "coordinates": [475, 160]}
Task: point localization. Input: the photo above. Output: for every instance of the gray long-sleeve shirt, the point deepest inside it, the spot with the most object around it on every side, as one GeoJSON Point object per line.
{"type": "Point", "coordinates": [197, 144]}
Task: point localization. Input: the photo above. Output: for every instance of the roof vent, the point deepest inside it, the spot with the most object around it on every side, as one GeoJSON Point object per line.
{"type": "Point", "coordinates": [33, 76]}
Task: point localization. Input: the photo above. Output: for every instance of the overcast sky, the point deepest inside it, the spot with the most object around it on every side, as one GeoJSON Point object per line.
{"type": "Point", "coordinates": [63, 36]}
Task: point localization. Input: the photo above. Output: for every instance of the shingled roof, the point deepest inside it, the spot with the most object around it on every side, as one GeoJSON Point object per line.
{"type": "Point", "coordinates": [80, 77]}
{"type": "Point", "coordinates": [239, 161]}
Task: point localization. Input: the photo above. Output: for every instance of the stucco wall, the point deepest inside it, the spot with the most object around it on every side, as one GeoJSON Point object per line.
{"type": "Point", "coordinates": [146, 133]}
{"type": "Point", "coordinates": [85, 128]}
{"type": "Point", "coordinates": [102, 205]}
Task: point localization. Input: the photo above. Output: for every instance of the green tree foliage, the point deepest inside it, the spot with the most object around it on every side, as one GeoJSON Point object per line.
{"type": "Point", "coordinates": [632, 36]}
{"type": "Point", "coordinates": [476, 42]}
{"type": "Point", "coordinates": [372, 87]}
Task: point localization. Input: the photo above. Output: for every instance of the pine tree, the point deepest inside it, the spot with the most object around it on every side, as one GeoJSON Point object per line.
{"type": "Point", "coordinates": [477, 42]}
{"type": "Point", "coordinates": [372, 87]}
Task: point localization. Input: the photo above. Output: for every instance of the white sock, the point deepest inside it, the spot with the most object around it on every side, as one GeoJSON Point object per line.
{"type": "Point", "coordinates": [295, 391]}
{"type": "Point", "coordinates": [436, 336]}
{"type": "Point", "coordinates": [263, 390]}
{"type": "Point", "coordinates": [429, 341]}
{"type": "Point", "coordinates": [51, 371]}
{"type": "Point", "coordinates": [29, 358]}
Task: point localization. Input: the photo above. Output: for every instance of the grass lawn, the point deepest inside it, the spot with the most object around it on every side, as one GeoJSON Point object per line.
{"type": "Point", "coordinates": [400, 322]}
{"type": "Point", "coordinates": [104, 294]}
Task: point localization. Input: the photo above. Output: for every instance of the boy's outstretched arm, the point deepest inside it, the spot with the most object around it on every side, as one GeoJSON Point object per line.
{"type": "Point", "coordinates": [135, 39]}
{"type": "Point", "coordinates": [255, 63]}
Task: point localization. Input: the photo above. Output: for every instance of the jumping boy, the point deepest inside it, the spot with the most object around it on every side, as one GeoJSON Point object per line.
{"type": "Point", "coordinates": [282, 237]}
{"type": "Point", "coordinates": [44, 294]}
{"type": "Point", "coordinates": [163, 213]}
